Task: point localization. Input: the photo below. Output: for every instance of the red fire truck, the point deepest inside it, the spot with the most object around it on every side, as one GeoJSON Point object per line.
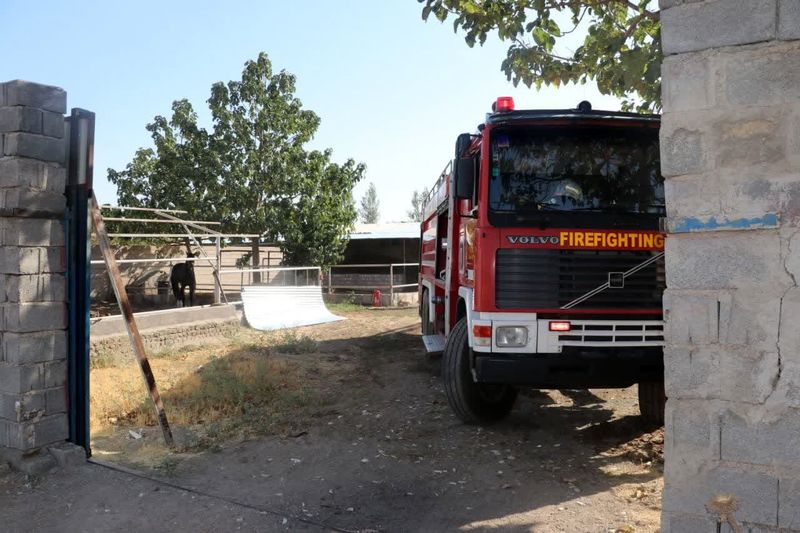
{"type": "Point", "coordinates": [542, 261]}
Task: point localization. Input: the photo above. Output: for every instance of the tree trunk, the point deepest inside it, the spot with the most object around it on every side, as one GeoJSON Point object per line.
{"type": "Point", "coordinates": [256, 259]}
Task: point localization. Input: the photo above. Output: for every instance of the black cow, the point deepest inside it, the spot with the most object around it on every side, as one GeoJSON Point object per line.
{"type": "Point", "coordinates": [182, 276]}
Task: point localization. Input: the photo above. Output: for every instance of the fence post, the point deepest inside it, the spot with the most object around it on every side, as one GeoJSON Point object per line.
{"type": "Point", "coordinates": [391, 284]}
{"type": "Point", "coordinates": [218, 286]}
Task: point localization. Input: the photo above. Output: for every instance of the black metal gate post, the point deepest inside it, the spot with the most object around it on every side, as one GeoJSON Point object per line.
{"type": "Point", "coordinates": [80, 160]}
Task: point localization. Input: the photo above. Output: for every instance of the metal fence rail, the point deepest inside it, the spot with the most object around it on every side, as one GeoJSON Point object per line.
{"type": "Point", "coordinates": [390, 286]}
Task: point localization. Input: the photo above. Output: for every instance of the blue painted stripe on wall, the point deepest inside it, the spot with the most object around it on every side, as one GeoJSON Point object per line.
{"type": "Point", "coordinates": [689, 225]}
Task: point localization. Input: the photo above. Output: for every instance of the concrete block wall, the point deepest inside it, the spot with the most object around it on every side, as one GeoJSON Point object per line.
{"type": "Point", "coordinates": [33, 311]}
{"type": "Point", "coordinates": [731, 158]}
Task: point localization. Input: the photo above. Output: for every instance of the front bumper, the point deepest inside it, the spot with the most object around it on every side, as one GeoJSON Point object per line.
{"type": "Point", "coordinates": [573, 368]}
{"type": "Point", "coordinates": [584, 334]}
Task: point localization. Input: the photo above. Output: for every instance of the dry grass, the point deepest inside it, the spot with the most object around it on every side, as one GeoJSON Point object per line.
{"type": "Point", "coordinates": [231, 384]}
{"type": "Point", "coordinates": [249, 384]}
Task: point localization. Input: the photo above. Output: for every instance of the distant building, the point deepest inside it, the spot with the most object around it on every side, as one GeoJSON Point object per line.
{"type": "Point", "coordinates": [394, 242]}
{"type": "Point", "coordinates": [381, 245]}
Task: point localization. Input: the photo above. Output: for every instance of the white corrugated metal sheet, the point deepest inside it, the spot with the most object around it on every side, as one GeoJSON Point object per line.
{"type": "Point", "coordinates": [268, 308]}
{"type": "Point", "coordinates": [390, 230]}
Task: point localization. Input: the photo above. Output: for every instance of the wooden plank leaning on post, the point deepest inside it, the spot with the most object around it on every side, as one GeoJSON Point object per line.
{"type": "Point", "coordinates": [130, 322]}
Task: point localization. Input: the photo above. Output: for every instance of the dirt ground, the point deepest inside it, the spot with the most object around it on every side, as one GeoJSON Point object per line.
{"type": "Point", "coordinates": [367, 444]}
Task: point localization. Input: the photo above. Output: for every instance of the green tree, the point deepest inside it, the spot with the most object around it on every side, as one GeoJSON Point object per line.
{"type": "Point", "coordinates": [621, 50]}
{"type": "Point", "coordinates": [370, 206]}
{"type": "Point", "coordinates": [251, 171]}
{"type": "Point", "coordinates": [415, 214]}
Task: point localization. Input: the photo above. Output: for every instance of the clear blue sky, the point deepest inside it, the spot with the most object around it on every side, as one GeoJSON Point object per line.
{"type": "Point", "coordinates": [391, 90]}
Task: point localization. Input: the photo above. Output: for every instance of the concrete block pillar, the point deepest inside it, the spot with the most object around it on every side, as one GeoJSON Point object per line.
{"type": "Point", "coordinates": [731, 158]}
{"type": "Point", "coordinates": [33, 310]}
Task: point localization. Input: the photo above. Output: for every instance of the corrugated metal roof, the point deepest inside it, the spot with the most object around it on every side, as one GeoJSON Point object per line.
{"type": "Point", "coordinates": [391, 230]}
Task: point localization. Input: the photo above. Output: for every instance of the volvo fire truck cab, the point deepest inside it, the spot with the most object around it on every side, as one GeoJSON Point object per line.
{"type": "Point", "coordinates": [542, 259]}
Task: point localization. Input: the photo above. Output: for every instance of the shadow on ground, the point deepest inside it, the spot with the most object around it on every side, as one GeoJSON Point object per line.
{"type": "Point", "coordinates": [373, 445]}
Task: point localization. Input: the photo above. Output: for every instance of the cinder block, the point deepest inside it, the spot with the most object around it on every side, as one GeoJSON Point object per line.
{"type": "Point", "coordinates": [789, 504]}
{"type": "Point", "coordinates": [750, 527]}
{"type": "Point", "coordinates": [25, 348]}
{"type": "Point", "coordinates": [22, 407]}
{"type": "Point", "coordinates": [53, 124]}
{"type": "Point", "coordinates": [55, 374]}
{"type": "Point", "coordinates": [678, 523]}
{"type": "Point", "coordinates": [32, 174]}
{"type": "Point", "coordinates": [692, 317]}
{"type": "Point", "coordinates": [692, 437]}
{"type": "Point", "coordinates": [31, 203]}
{"type": "Point", "coordinates": [56, 400]}
{"type": "Point", "coordinates": [687, 82]}
{"type": "Point", "coordinates": [747, 196]}
{"type": "Point", "coordinates": [38, 433]}
{"type": "Point", "coordinates": [788, 19]}
{"type": "Point", "coordinates": [68, 455]}
{"type": "Point", "coordinates": [31, 232]}
{"type": "Point", "coordinates": [700, 26]}
{"type": "Point", "coordinates": [682, 152]}
{"type": "Point", "coordinates": [25, 119]}
{"type": "Point", "coordinates": [750, 317]}
{"type": "Point", "coordinates": [745, 374]}
{"type": "Point", "coordinates": [18, 379]}
{"type": "Point", "coordinates": [30, 317]}
{"type": "Point", "coordinates": [715, 260]}
{"type": "Point", "coordinates": [749, 142]}
{"type": "Point", "coordinates": [33, 288]}
{"type": "Point", "coordinates": [24, 260]}
{"type": "Point", "coordinates": [34, 146]}
{"type": "Point", "coordinates": [25, 93]}
{"type": "Point", "coordinates": [768, 77]}
{"type": "Point", "coordinates": [770, 444]}
{"type": "Point", "coordinates": [688, 373]}
{"type": "Point", "coordinates": [32, 463]}
{"type": "Point", "coordinates": [693, 196]}
{"type": "Point", "coordinates": [757, 494]}
{"type": "Point", "coordinates": [666, 4]}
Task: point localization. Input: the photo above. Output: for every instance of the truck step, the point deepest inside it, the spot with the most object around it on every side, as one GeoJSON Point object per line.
{"type": "Point", "coordinates": [434, 344]}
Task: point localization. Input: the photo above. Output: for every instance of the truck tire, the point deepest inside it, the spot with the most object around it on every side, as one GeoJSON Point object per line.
{"type": "Point", "coordinates": [652, 401]}
{"type": "Point", "coordinates": [427, 327]}
{"type": "Point", "coordinates": [473, 403]}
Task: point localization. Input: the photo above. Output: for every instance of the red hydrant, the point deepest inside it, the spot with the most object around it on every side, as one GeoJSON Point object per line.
{"type": "Point", "coordinates": [376, 298]}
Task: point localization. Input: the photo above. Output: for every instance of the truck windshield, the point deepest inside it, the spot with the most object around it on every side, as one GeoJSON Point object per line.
{"type": "Point", "coordinates": [575, 177]}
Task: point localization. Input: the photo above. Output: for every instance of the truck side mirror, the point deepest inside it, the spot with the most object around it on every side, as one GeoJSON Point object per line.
{"type": "Point", "coordinates": [465, 178]}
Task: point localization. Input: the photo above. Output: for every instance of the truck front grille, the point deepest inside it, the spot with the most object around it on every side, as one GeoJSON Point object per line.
{"type": "Point", "coordinates": [551, 279]}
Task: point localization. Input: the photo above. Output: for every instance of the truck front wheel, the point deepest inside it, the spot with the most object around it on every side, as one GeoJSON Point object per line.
{"type": "Point", "coordinates": [473, 403]}
{"type": "Point", "coordinates": [652, 401]}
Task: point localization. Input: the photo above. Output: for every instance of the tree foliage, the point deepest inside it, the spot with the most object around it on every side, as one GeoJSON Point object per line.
{"type": "Point", "coordinates": [417, 205]}
{"type": "Point", "coordinates": [370, 206]}
{"type": "Point", "coordinates": [621, 50]}
{"type": "Point", "coordinates": [251, 170]}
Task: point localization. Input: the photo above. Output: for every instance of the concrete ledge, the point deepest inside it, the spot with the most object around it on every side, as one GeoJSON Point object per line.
{"type": "Point", "coordinates": [166, 318]}
{"type": "Point", "coordinates": [33, 464]}
{"type": "Point", "coordinates": [64, 455]}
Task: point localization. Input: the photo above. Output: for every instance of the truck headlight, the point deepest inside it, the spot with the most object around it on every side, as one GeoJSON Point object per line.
{"type": "Point", "coordinates": [511, 336]}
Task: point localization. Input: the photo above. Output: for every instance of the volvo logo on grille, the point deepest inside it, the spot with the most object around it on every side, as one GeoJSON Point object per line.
{"type": "Point", "coordinates": [616, 280]}
{"type": "Point", "coordinates": [533, 239]}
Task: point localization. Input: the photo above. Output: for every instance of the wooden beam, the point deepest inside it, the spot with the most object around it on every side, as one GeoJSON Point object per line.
{"type": "Point", "coordinates": [130, 322]}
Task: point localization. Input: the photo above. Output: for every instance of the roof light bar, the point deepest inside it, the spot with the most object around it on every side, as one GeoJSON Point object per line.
{"type": "Point", "coordinates": [503, 104]}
